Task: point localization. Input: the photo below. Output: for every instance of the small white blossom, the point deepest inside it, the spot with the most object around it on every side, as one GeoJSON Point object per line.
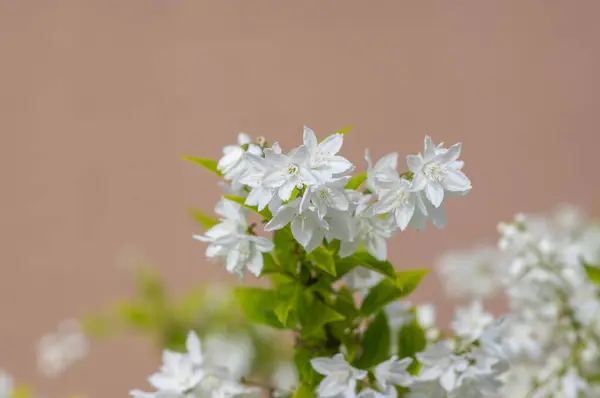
{"type": "Point", "coordinates": [6, 385]}
{"type": "Point", "coordinates": [362, 279]}
{"type": "Point", "coordinates": [57, 351]}
{"type": "Point", "coordinates": [323, 158]}
{"type": "Point", "coordinates": [284, 172]}
{"type": "Point", "coordinates": [234, 163]}
{"type": "Point", "coordinates": [470, 322]}
{"type": "Point", "coordinates": [393, 372]}
{"type": "Point", "coordinates": [369, 229]}
{"type": "Point", "coordinates": [436, 171]}
{"type": "Point", "coordinates": [307, 228]}
{"type": "Point", "coordinates": [340, 376]}
{"type": "Point", "coordinates": [230, 240]}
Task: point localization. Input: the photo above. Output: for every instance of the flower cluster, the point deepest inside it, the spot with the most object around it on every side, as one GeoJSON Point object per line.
{"type": "Point", "coordinates": [310, 188]}
{"type": "Point", "coordinates": [547, 267]}
{"type": "Point", "coordinates": [190, 375]}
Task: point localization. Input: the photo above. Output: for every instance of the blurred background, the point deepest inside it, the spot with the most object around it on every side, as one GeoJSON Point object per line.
{"type": "Point", "coordinates": [98, 100]}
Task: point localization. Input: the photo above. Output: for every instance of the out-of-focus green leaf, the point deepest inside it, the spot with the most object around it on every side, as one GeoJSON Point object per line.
{"type": "Point", "coordinates": [356, 181]}
{"type": "Point", "coordinates": [389, 290]}
{"type": "Point", "coordinates": [208, 164]}
{"type": "Point", "coordinates": [259, 305]}
{"type": "Point", "coordinates": [322, 259]}
{"type": "Point", "coordinates": [376, 342]}
{"type": "Point", "coordinates": [206, 221]}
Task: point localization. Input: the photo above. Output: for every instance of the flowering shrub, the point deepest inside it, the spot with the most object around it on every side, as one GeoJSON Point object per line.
{"type": "Point", "coordinates": [335, 321]}
{"type": "Point", "coordinates": [329, 226]}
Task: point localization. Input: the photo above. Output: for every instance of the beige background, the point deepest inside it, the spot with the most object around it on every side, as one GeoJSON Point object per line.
{"type": "Point", "coordinates": [99, 98]}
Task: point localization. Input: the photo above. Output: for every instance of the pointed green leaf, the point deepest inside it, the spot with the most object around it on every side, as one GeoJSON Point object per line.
{"type": "Point", "coordinates": [287, 298]}
{"type": "Point", "coordinates": [208, 164]}
{"type": "Point", "coordinates": [376, 343]}
{"type": "Point", "coordinates": [306, 373]}
{"type": "Point", "coordinates": [286, 249]}
{"type": "Point", "coordinates": [344, 265]}
{"type": "Point", "coordinates": [345, 130]}
{"type": "Point", "coordinates": [593, 273]}
{"type": "Point", "coordinates": [356, 181]}
{"type": "Point", "coordinates": [322, 259]}
{"type": "Point", "coordinates": [304, 391]}
{"type": "Point", "coordinates": [259, 305]}
{"type": "Point", "coordinates": [269, 265]}
{"type": "Point", "coordinates": [389, 290]}
{"type": "Point", "coordinates": [411, 340]}
{"type": "Point", "coordinates": [203, 219]}
{"type": "Point", "coordinates": [314, 314]}
{"type": "Point", "coordinates": [242, 201]}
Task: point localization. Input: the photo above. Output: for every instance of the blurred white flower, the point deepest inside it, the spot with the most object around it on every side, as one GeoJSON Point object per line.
{"type": "Point", "coordinates": [340, 376]}
{"type": "Point", "coordinates": [234, 352]}
{"type": "Point", "coordinates": [57, 351]}
{"type": "Point", "coordinates": [6, 385]}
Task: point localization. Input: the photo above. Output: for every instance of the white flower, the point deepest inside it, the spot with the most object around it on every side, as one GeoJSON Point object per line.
{"type": "Point", "coordinates": [340, 376]}
{"type": "Point", "coordinates": [285, 377]}
{"type": "Point", "coordinates": [470, 322]}
{"type": "Point", "coordinates": [369, 229]}
{"type": "Point", "coordinates": [475, 273]}
{"type": "Point", "coordinates": [6, 385]}
{"type": "Point", "coordinates": [440, 363]}
{"type": "Point", "coordinates": [326, 196]}
{"type": "Point", "coordinates": [57, 351]}
{"type": "Point", "coordinates": [230, 241]}
{"type": "Point", "coordinates": [289, 171]}
{"type": "Point", "coordinates": [307, 228]}
{"type": "Point", "coordinates": [400, 202]}
{"type": "Point", "coordinates": [393, 372]}
{"type": "Point", "coordinates": [323, 158]}
{"type": "Point", "coordinates": [436, 171]}
{"type": "Point", "coordinates": [383, 173]}
{"type": "Point", "coordinates": [180, 373]}
{"type": "Point", "coordinates": [232, 352]}
{"type": "Point", "coordinates": [362, 279]}
{"type": "Point", "coordinates": [233, 163]}
{"type": "Point", "coordinates": [426, 389]}
{"type": "Point", "coordinates": [260, 194]}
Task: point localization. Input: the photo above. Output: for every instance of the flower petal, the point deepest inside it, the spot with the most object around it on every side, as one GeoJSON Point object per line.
{"type": "Point", "coordinates": [456, 181]}
{"type": "Point", "coordinates": [310, 139]}
{"type": "Point", "coordinates": [415, 163]}
{"type": "Point", "coordinates": [331, 145]}
{"type": "Point", "coordinates": [435, 193]}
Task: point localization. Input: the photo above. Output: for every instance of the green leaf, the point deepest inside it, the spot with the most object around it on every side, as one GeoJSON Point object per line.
{"type": "Point", "coordinates": [362, 258]}
{"type": "Point", "coordinates": [411, 340]}
{"type": "Point", "coordinates": [203, 219]}
{"type": "Point", "coordinates": [287, 297]}
{"type": "Point", "coordinates": [286, 249]}
{"type": "Point", "coordinates": [208, 164]}
{"type": "Point", "coordinates": [322, 258]}
{"type": "Point", "coordinates": [344, 130]}
{"type": "Point", "coordinates": [266, 213]}
{"type": "Point", "coordinates": [306, 373]}
{"type": "Point", "coordinates": [593, 273]}
{"type": "Point", "coordinates": [304, 391]}
{"type": "Point", "coordinates": [389, 290]}
{"type": "Point", "coordinates": [136, 315]}
{"type": "Point", "coordinates": [314, 314]}
{"type": "Point", "coordinates": [21, 391]}
{"type": "Point", "coordinates": [259, 305]}
{"type": "Point", "coordinates": [97, 326]}
{"type": "Point", "coordinates": [376, 343]}
{"type": "Point", "coordinates": [269, 265]}
{"type": "Point", "coordinates": [356, 181]}
{"type": "Point", "coordinates": [344, 303]}
{"type": "Point", "coordinates": [409, 280]}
